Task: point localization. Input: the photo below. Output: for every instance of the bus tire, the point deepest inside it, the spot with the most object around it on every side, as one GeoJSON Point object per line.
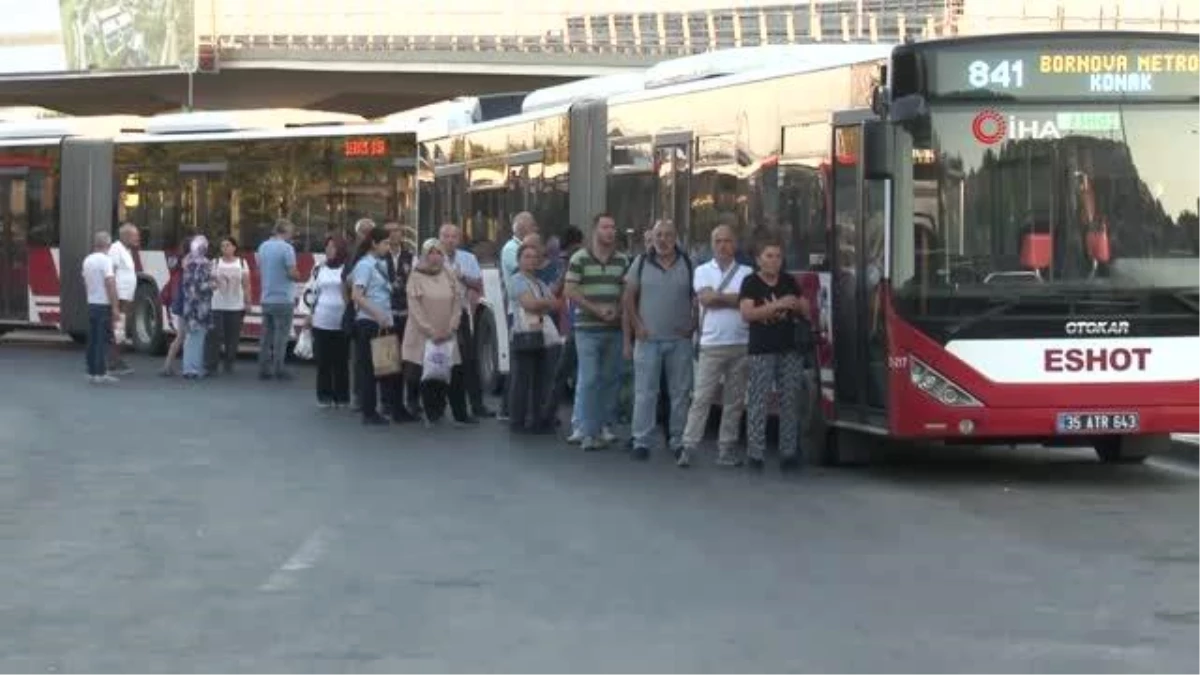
{"type": "Point", "coordinates": [146, 324]}
{"type": "Point", "coordinates": [1129, 449]}
{"type": "Point", "coordinates": [488, 349]}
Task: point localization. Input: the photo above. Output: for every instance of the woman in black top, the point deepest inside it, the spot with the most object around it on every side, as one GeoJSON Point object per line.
{"type": "Point", "coordinates": [770, 302]}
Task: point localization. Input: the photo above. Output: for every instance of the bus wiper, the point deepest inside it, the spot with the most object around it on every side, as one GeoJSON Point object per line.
{"type": "Point", "coordinates": [1188, 298]}
{"type": "Point", "coordinates": [991, 313]}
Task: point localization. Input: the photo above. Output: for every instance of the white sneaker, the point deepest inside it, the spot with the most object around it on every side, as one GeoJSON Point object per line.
{"type": "Point", "coordinates": [575, 438]}
{"type": "Point", "coordinates": [105, 379]}
{"type": "Point", "coordinates": [607, 436]}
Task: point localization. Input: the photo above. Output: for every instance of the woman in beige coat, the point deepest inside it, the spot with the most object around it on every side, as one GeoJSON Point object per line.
{"type": "Point", "coordinates": [434, 311]}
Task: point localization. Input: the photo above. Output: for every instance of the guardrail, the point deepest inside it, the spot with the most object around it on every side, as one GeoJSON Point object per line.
{"type": "Point", "coordinates": [637, 33]}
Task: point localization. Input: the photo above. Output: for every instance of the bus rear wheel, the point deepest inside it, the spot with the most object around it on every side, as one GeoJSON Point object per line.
{"type": "Point", "coordinates": [1129, 449]}
{"type": "Point", "coordinates": [146, 330]}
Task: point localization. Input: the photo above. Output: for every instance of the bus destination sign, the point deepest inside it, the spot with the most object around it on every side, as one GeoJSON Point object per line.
{"type": "Point", "coordinates": [361, 148]}
{"type": "Point", "coordinates": [1076, 72]}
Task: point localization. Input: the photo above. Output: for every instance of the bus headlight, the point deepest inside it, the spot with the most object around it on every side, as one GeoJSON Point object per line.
{"type": "Point", "coordinates": [938, 386]}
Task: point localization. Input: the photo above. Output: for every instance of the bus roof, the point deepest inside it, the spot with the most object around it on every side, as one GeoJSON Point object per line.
{"type": "Point", "coordinates": [54, 129]}
{"type": "Point", "coordinates": [363, 129]}
{"type": "Point", "coordinates": [592, 87]}
{"type": "Point", "coordinates": [804, 62]}
{"type": "Point", "coordinates": [242, 120]}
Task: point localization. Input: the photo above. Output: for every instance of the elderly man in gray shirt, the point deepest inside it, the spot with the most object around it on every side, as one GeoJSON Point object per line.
{"type": "Point", "coordinates": [660, 319]}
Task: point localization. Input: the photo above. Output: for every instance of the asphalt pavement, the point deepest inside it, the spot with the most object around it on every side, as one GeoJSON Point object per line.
{"type": "Point", "coordinates": [230, 525]}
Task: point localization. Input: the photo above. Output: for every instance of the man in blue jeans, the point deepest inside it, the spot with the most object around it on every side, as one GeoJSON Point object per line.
{"type": "Point", "coordinates": [660, 319]}
{"type": "Point", "coordinates": [594, 285]}
{"type": "Point", "coordinates": [99, 280]}
{"type": "Point", "coordinates": [277, 289]}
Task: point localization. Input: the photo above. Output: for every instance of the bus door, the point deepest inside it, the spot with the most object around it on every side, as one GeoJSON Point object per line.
{"type": "Point", "coordinates": [857, 248]}
{"type": "Point", "coordinates": [673, 165]}
{"type": "Point", "coordinates": [14, 238]}
{"type": "Point", "coordinates": [205, 200]}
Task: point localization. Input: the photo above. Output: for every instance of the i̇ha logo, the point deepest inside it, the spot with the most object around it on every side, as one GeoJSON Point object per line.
{"type": "Point", "coordinates": [989, 127]}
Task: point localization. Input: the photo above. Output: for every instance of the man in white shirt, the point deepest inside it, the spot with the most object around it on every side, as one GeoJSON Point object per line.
{"type": "Point", "coordinates": [723, 339]}
{"type": "Point", "coordinates": [121, 253]}
{"type": "Point", "coordinates": [466, 269]}
{"type": "Point", "coordinates": [99, 279]}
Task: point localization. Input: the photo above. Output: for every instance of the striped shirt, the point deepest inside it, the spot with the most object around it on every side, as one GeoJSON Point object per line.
{"type": "Point", "coordinates": [600, 282]}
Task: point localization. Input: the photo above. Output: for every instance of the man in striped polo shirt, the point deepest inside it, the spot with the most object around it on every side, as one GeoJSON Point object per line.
{"type": "Point", "coordinates": [595, 282]}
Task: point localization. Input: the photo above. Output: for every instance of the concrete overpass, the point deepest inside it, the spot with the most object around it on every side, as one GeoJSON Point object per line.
{"type": "Point", "coordinates": [368, 58]}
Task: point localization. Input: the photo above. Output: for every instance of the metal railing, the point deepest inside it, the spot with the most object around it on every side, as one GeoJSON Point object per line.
{"type": "Point", "coordinates": [356, 27]}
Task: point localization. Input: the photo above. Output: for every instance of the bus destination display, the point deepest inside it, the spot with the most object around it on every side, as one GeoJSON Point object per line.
{"type": "Point", "coordinates": [1077, 72]}
{"type": "Point", "coordinates": [359, 148]}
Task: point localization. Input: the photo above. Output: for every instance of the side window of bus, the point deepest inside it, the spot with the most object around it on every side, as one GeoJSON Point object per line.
{"type": "Point", "coordinates": [804, 182]}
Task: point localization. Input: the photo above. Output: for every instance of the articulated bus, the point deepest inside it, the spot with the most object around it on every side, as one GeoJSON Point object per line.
{"type": "Point", "coordinates": [998, 235]}
{"type": "Point", "coordinates": [172, 176]}
{"type": "Point", "coordinates": [686, 140]}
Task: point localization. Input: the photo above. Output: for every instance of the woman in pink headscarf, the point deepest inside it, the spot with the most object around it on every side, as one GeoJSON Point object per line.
{"type": "Point", "coordinates": [197, 283]}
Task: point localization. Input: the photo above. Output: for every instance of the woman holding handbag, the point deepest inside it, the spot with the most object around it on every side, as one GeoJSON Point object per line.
{"type": "Point", "coordinates": [534, 348]}
{"type": "Point", "coordinates": [372, 296]}
{"type": "Point", "coordinates": [434, 312]}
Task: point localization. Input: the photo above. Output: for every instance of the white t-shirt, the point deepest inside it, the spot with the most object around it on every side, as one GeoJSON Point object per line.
{"type": "Point", "coordinates": [126, 273]}
{"type": "Point", "coordinates": [228, 296]}
{"type": "Point", "coordinates": [327, 294]}
{"type": "Point", "coordinates": [722, 325]}
{"type": "Point", "coordinates": [96, 268]}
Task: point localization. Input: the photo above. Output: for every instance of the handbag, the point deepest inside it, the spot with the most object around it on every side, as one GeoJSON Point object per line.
{"type": "Point", "coordinates": [385, 354]}
{"type": "Point", "coordinates": [531, 336]}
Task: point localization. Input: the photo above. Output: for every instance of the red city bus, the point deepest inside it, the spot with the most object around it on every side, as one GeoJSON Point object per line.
{"type": "Point", "coordinates": [214, 173]}
{"type": "Point", "coordinates": [1020, 260]}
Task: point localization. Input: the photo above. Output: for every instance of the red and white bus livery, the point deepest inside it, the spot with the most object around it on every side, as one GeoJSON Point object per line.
{"type": "Point", "coordinates": [215, 173]}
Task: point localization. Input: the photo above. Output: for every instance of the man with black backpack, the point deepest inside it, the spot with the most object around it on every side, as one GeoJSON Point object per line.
{"type": "Point", "coordinates": [660, 318]}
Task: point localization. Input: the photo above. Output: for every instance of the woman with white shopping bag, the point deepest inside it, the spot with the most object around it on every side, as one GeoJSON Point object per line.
{"type": "Point", "coordinates": [534, 348]}
{"type": "Point", "coordinates": [430, 348]}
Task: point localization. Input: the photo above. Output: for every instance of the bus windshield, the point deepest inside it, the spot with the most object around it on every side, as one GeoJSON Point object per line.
{"type": "Point", "coordinates": [1042, 199]}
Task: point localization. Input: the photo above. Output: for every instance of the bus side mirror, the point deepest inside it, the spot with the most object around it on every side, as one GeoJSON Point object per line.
{"type": "Point", "coordinates": [1036, 251]}
{"type": "Point", "coordinates": [877, 150]}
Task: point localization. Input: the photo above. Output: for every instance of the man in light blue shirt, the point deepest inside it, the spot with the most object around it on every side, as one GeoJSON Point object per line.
{"type": "Point", "coordinates": [523, 225]}
{"type": "Point", "coordinates": [465, 267]}
{"type": "Point", "coordinates": [278, 275]}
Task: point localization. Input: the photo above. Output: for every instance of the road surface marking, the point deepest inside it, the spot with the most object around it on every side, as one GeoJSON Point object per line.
{"type": "Point", "coordinates": [304, 558]}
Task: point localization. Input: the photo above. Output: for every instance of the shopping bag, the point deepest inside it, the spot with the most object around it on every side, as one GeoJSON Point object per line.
{"type": "Point", "coordinates": [385, 354]}
{"type": "Point", "coordinates": [437, 362]}
{"type": "Point", "coordinates": [304, 345]}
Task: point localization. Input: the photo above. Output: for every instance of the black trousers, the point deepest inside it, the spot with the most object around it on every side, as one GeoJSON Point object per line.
{"type": "Point", "coordinates": [221, 345]}
{"type": "Point", "coordinates": [331, 349]}
{"type": "Point", "coordinates": [435, 395]}
{"type": "Point", "coordinates": [468, 348]}
{"type": "Point", "coordinates": [366, 383]}
{"type": "Point", "coordinates": [399, 394]}
{"type": "Point", "coordinates": [531, 405]}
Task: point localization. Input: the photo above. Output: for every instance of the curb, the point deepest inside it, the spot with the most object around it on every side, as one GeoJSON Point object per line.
{"type": "Point", "coordinates": [1184, 449]}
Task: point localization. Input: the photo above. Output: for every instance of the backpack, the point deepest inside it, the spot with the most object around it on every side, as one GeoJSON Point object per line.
{"type": "Point", "coordinates": [641, 265]}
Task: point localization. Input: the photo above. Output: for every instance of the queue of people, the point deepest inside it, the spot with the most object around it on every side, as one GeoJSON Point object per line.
{"type": "Point", "coordinates": [393, 334]}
